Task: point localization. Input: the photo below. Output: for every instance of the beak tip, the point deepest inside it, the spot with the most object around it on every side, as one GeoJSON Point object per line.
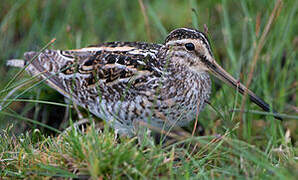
{"type": "Point", "coordinates": [277, 116]}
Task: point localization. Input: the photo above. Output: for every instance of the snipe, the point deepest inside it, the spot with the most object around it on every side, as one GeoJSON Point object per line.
{"type": "Point", "coordinates": [125, 83]}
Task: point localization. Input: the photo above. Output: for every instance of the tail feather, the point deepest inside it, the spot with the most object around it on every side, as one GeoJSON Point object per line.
{"type": "Point", "coordinates": [20, 63]}
{"type": "Point", "coordinates": [44, 66]}
{"type": "Point", "coordinates": [50, 66]}
{"type": "Point", "coordinates": [29, 55]}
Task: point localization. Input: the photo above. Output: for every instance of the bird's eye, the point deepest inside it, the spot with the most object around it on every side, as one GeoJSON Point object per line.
{"type": "Point", "coordinates": [190, 46]}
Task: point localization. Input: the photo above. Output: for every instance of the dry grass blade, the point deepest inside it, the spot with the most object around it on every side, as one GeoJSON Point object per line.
{"type": "Point", "coordinates": [143, 9]}
{"type": "Point", "coordinates": [23, 69]}
{"type": "Point", "coordinates": [164, 132]}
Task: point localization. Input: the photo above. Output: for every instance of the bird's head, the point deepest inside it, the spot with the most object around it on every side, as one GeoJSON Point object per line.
{"type": "Point", "coordinates": [191, 48]}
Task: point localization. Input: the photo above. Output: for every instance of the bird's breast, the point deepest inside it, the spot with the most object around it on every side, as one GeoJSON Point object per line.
{"type": "Point", "coordinates": [184, 97]}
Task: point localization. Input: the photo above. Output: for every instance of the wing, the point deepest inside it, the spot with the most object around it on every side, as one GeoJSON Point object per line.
{"type": "Point", "coordinates": [106, 70]}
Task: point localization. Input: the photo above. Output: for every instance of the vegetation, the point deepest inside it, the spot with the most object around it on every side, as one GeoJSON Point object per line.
{"type": "Point", "coordinates": [256, 41]}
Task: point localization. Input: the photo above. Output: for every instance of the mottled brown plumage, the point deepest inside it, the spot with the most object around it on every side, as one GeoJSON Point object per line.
{"type": "Point", "coordinates": [124, 83]}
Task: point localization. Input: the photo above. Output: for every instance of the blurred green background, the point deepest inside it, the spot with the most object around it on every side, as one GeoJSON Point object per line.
{"type": "Point", "coordinates": [234, 28]}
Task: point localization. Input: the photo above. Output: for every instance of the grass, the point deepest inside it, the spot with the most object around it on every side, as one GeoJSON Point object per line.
{"type": "Point", "coordinates": [236, 145]}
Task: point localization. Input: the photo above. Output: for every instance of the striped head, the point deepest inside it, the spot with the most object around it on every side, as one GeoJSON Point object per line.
{"type": "Point", "coordinates": [188, 47]}
{"type": "Point", "coordinates": [191, 49]}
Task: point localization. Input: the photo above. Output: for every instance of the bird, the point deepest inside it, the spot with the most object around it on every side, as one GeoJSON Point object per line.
{"type": "Point", "coordinates": [125, 83]}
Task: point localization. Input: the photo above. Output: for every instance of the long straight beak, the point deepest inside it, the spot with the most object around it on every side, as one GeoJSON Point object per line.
{"type": "Point", "coordinates": [226, 77]}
